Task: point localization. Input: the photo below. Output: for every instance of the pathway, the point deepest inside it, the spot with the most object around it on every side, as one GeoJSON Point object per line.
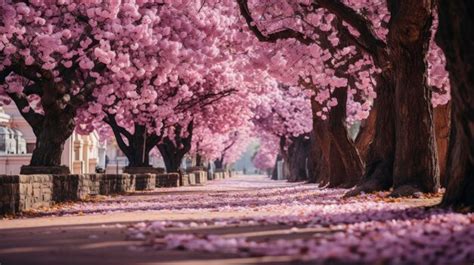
{"type": "Point", "coordinates": [243, 220]}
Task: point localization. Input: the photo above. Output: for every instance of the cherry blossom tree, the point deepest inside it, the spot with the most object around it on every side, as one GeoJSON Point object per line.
{"type": "Point", "coordinates": [307, 53]}
{"type": "Point", "coordinates": [215, 116]}
{"type": "Point", "coordinates": [395, 157]}
{"type": "Point", "coordinates": [285, 114]}
{"type": "Point", "coordinates": [454, 36]}
{"type": "Point", "coordinates": [171, 62]}
{"type": "Point", "coordinates": [267, 153]}
{"type": "Point", "coordinates": [224, 129]}
{"type": "Point", "coordinates": [49, 66]}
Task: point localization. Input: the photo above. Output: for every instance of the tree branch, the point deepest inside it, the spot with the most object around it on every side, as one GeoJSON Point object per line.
{"type": "Point", "coordinates": [272, 37]}
{"type": "Point", "coordinates": [367, 36]}
{"type": "Point", "coordinates": [34, 119]}
{"type": "Point", "coordinates": [118, 132]}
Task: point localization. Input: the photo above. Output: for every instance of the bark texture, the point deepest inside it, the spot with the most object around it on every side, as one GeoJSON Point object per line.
{"type": "Point", "coordinates": [173, 152]}
{"type": "Point", "coordinates": [340, 165]}
{"type": "Point", "coordinates": [366, 135]}
{"type": "Point", "coordinates": [137, 145]}
{"type": "Point", "coordinates": [416, 164]}
{"type": "Point", "coordinates": [455, 37]}
{"type": "Point", "coordinates": [298, 153]}
{"type": "Point", "coordinates": [59, 105]}
{"type": "Point", "coordinates": [442, 121]}
{"type": "Point", "coordinates": [403, 152]}
{"type": "Point", "coordinates": [51, 135]}
{"type": "Point", "coordinates": [380, 155]}
{"type": "Point", "coordinates": [314, 158]}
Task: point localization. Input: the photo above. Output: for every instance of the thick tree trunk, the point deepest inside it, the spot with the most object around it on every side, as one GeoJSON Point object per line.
{"type": "Point", "coordinates": [285, 157]}
{"type": "Point", "coordinates": [138, 144]}
{"type": "Point", "coordinates": [380, 156]}
{"type": "Point", "coordinates": [442, 120]}
{"type": "Point", "coordinates": [317, 172]}
{"type": "Point", "coordinates": [415, 167]}
{"type": "Point", "coordinates": [172, 163]}
{"type": "Point", "coordinates": [137, 154]}
{"type": "Point", "coordinates": [55, 130]}
{"type": "Point", "coordinates": [172, 155]}
{"type": "Point", "coordinates": [298, 152]}
{"type": "Point", "coordinates": [340, 159]}
{"type": "Point", "coordinates": [456, 28]}
{"type": "Point", "coordinates": [345, 152]}
{"type": "Point", "coordinates": [403, 151]}
{"type": "Point", "coordinates": [219, 163]}
{"type": "Point", "coordinates": [173, 152]}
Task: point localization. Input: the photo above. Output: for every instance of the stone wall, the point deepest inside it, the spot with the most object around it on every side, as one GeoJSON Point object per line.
{"type": "Point", "coordinates": [145, 181]}
{"type": "Point", "coordinates": [167, 180]}
{"type": "Point", "coordinates": [200, 177]}
{"type": "Point", "coordinates": [191, 179]}
{"type": "Point", "coordinates": [218, 175]}
{"type": "Point", "coordinates": [24, 192]}
{"type": "Point", "coordinates": [222, 174]}
{"type": "Point", "coordinates": [113, 184]}
{"type": "Point", "coordinates": [184, 180]}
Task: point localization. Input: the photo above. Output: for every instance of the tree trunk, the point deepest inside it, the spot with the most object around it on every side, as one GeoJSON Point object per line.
{"type": "Point", "coordinates": [172, 163]}
{"type": "Point", "coordinates": [137, 154]}
{"type": "Point", "coordinates": [173, 151]}
{"type": "Point", "coordinates": [340, 159]}
{"type": "Point", "coordinates": [415, 167]}
{"type": "Point", "coordinates": [456, 28]}
{"type": "Point", "coordinates": [403, 151]}
{"type": "Point", "coordinates": [298, 152]}
{"type": "Point", "coordinates": [199, 162]}
{"type": "Point", "coordinates": [442, 120]}
{"type": "Point", "coordinates": [138, 145]}
{"type": "Point", "coordinates": [345, 153]}
{"type": "Point", "coordinates": [284, 152]}
{"type": "Point", "coordinates": [172, 155]}
{"type": "Point", "coordinates": [313, 158]}
{"type": "Point", "coordinates": [219, 163]}
{"type": "Point", "coordinates": [56, 128]}
{"type": "Point", "coordinates": [275, 168]}
{"type": "Point", "coordinates": [316, 170]}
{"type": "Point", "coordinates": [380, 156]}
{"type": "Point", "coordinates": [366, 135]}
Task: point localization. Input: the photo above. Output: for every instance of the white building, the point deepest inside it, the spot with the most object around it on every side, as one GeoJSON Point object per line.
{"type": "Point", "coordinates": [82, 154]}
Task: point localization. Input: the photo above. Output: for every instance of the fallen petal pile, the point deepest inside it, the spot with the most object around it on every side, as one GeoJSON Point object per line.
{"type": "Point", "coordinates": [366, 229]}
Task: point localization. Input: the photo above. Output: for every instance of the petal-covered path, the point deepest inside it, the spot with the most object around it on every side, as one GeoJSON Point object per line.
{"type": "Point", "coordinates": [243, 220]}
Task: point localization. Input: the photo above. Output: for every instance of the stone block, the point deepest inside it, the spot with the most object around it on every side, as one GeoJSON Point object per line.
{"type": "Point", "coordinates": [192, 179]}
{"type": "Point", "coordinates": [145, 181]}
{"type": "Point", "coordinates": [113, 184]}
{"type": "Point", "coordinates": [65, 188]}
{"type": "Point", "coordinates": [144, 170]}
{"type": "Point", "coordinates": [218, 175]}
{"type": "Point", "coordinates": [200, 177]}
{"type": "Point", "coordinates": [184, 180]}
{"type": "Point", "coordinates": [89, 184]}
{"type": "Point", "coordinates": [167, 180]}
{"type": "Point", "coordinates": [32, 170]}
{"type": "Point", "coordinates": [210, 176]}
